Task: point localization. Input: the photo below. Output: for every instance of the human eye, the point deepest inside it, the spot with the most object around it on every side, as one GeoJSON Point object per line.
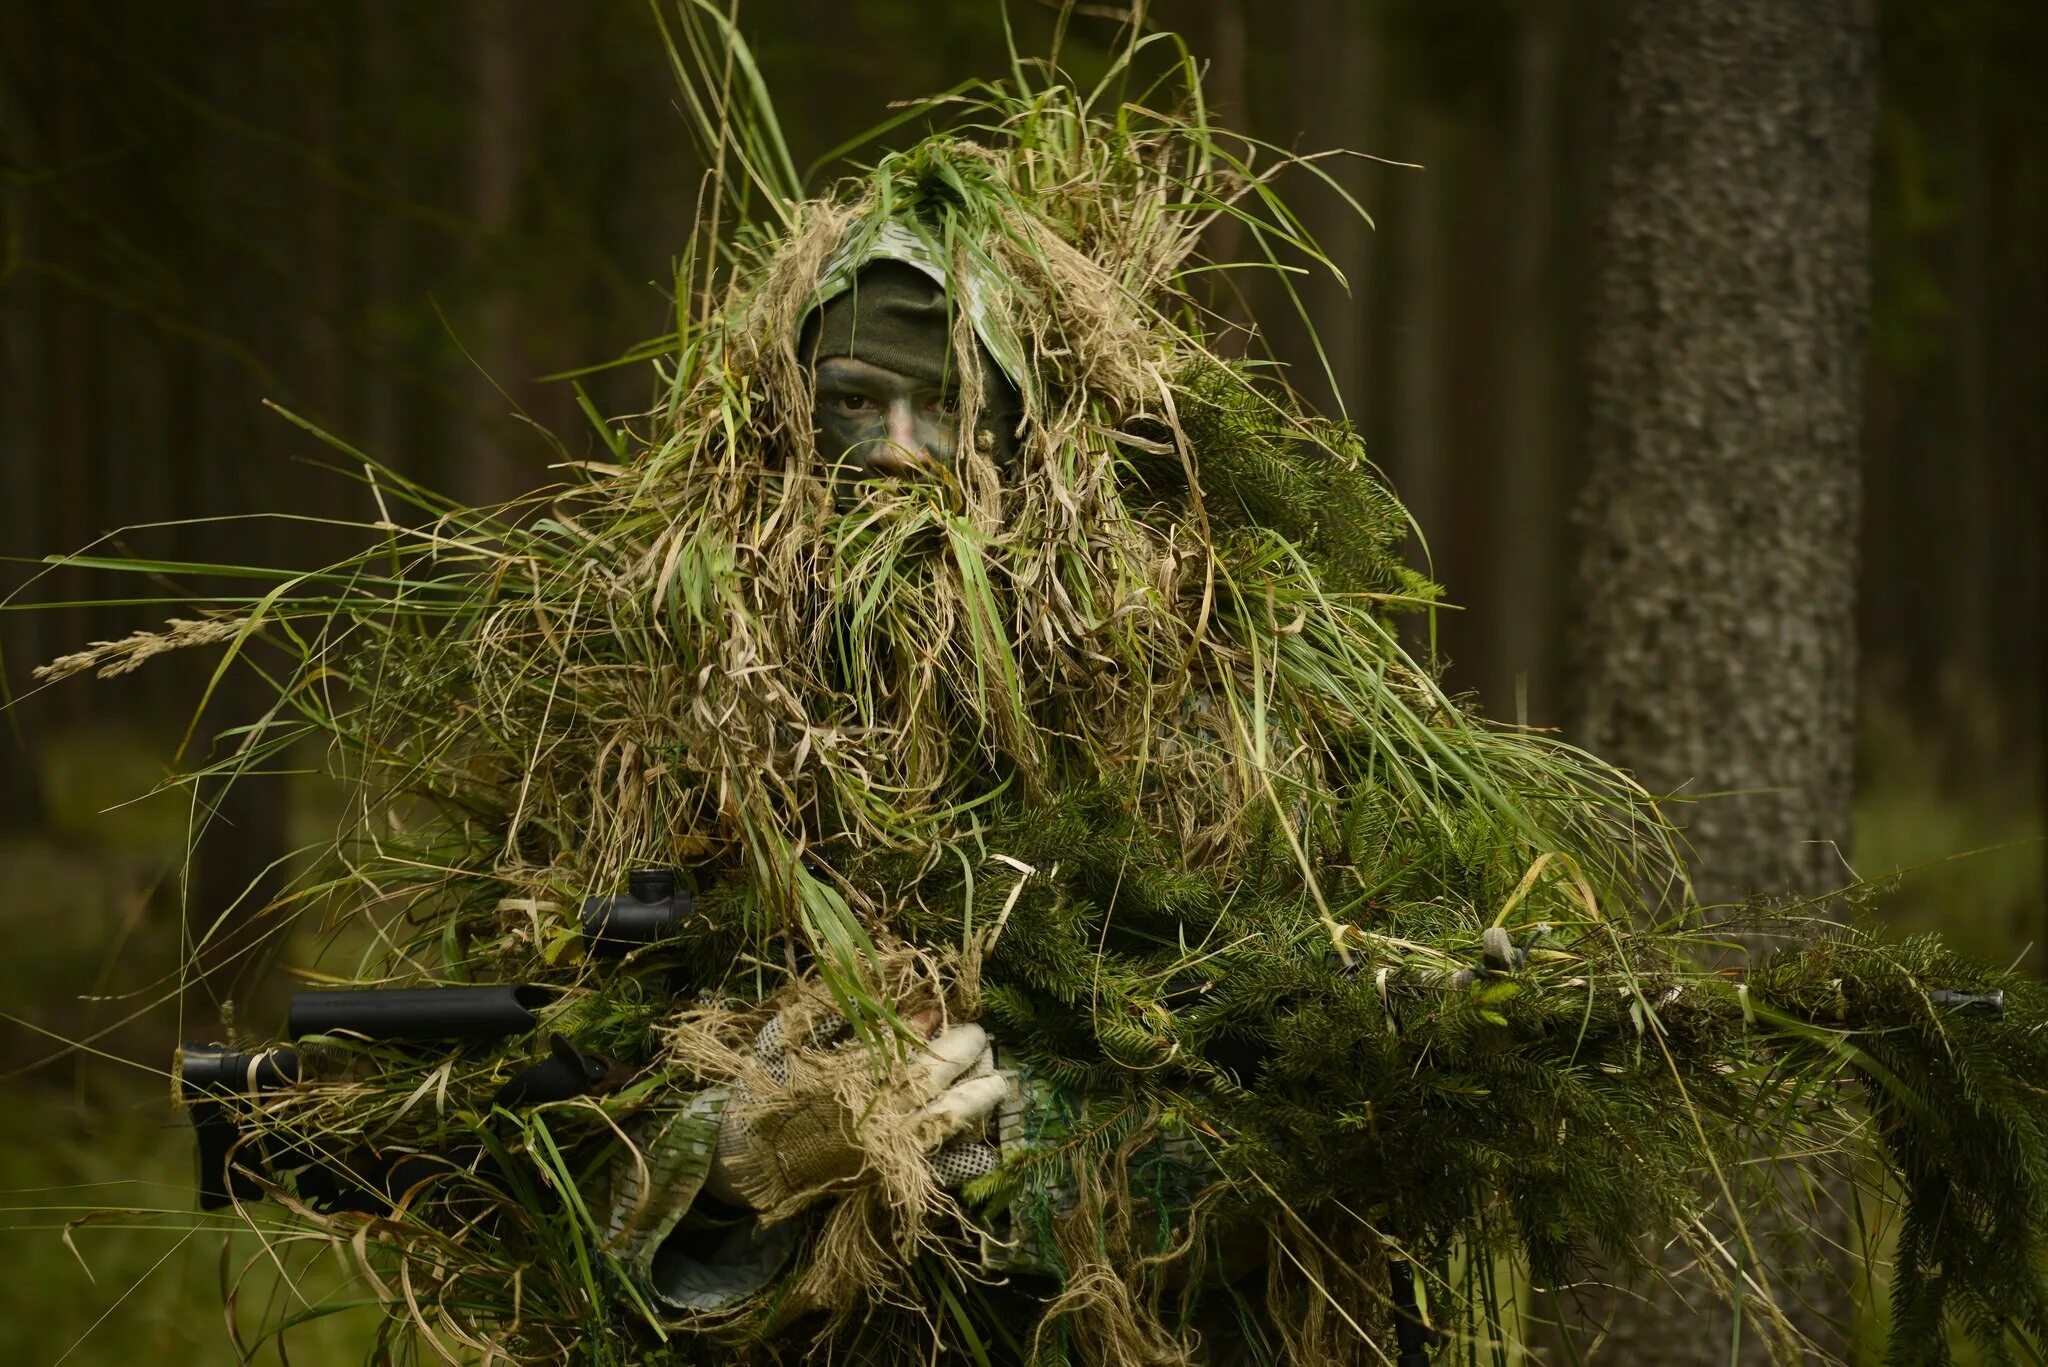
{"type": "Point", "coordinates": [854, 403]}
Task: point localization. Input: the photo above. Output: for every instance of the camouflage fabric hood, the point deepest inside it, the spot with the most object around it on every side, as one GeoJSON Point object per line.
{"type": "Point", "coordinates": [903, 238]}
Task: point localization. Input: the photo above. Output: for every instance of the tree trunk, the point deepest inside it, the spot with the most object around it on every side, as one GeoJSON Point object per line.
{"type": "Point", "coordinates": [1324, 117]}
{"type": "Point", "coordinates": [1424, 297]}
{"type": "Point", "coordinates": [1715, 645]}
{"type": "Point", "coordinates": [496, 369]}
{"type": "Point", "coordinates": [1224, 81]}
{"type": "Point", "coordinates": [1524, 557]}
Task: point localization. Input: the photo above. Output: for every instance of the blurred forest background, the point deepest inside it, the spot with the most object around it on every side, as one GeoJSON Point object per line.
{"type": "Point", "coordinates": [398, 220]}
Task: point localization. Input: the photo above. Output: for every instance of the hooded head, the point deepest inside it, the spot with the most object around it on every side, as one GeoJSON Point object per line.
{"type": "Point", "coordinates": [887, 382]}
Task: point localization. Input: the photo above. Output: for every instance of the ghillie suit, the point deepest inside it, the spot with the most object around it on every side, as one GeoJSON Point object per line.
{"type": "Point", "coordinates": [1305, 975]}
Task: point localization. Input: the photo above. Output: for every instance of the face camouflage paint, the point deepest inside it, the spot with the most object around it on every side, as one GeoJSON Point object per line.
{"type": "Point", "coordinates": [888, 389]}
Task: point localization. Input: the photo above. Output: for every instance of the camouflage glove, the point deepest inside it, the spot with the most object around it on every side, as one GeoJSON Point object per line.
{"type": "Point", "coordinates": [685, 1262]}
{"type": "Point", "coordinates": [813, 1116]}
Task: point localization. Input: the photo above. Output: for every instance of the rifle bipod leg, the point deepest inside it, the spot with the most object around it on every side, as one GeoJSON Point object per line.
{"type": "Point", "coordinates": [1412, 1338]}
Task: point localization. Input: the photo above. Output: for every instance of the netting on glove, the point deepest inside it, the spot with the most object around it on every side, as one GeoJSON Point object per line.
{"type": "Point", "coordinates": [960, 1160]}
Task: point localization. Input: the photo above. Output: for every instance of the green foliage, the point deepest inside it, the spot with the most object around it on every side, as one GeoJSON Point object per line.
{"type": "Point", "coordinates": [1956, 1098]}
{"type": "Point", "coordinates": [1264, 468]}
{"type": "Point", "coordinates": [1553, 1111]}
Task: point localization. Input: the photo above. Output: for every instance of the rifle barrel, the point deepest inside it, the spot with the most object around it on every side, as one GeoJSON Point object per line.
{"type": "Point", "coordinates": [419, 1013]}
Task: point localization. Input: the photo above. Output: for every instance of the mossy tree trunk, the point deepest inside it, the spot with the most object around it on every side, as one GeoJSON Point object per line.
{"type": "Point", "coordinates": [1714, 649]}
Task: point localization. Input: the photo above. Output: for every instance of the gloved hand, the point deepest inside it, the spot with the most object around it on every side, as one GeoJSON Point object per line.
{"type": "Point", "coordinates": [814, 1115]}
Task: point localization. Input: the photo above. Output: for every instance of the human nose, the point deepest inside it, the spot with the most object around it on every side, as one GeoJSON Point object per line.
{"type": "Point", "coordinates": [903, 429]}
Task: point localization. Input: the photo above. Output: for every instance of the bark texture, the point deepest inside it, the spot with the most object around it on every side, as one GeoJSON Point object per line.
{"type": "Point", "coordinates": [1715, 648]}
